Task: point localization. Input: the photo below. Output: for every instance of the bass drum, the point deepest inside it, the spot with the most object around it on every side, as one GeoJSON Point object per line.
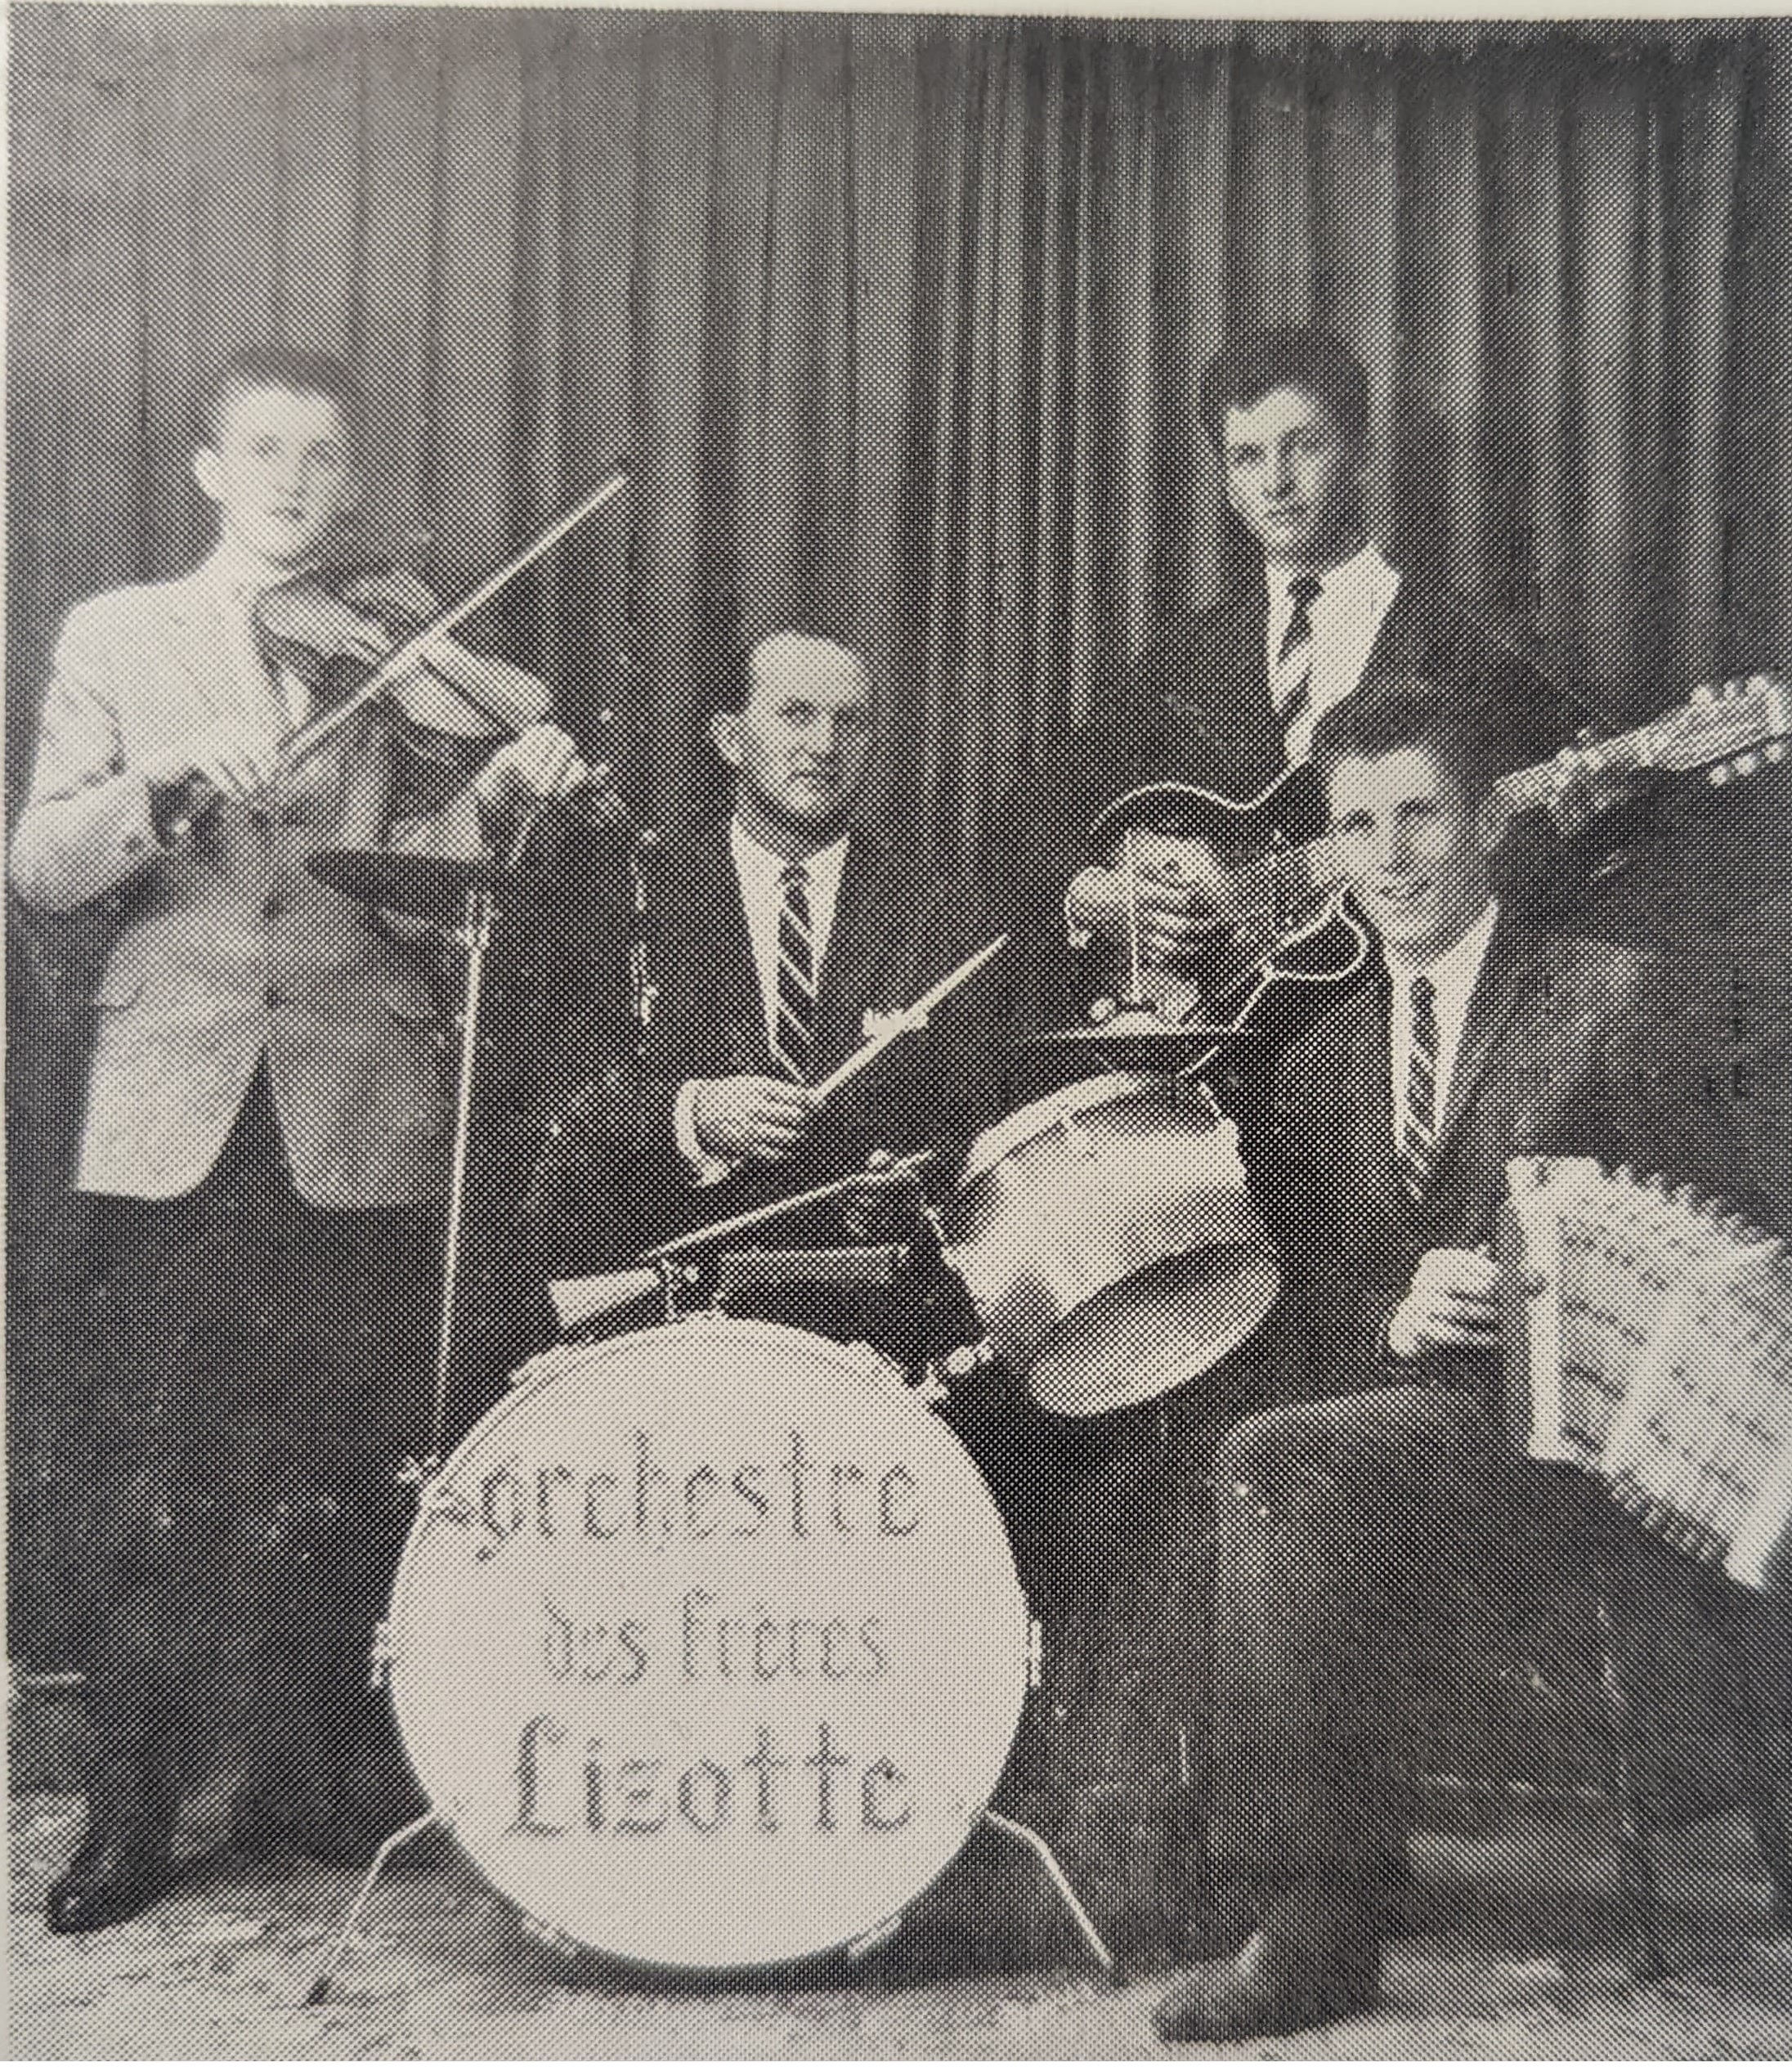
{"type": "Point", "coordinates": [1109, 1243]}
{"type": "Point", "coordinates": [708, 1644]}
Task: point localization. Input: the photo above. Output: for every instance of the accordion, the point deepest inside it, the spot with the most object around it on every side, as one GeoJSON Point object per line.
{"type": "Point", "coordinates": [1657, 1355]}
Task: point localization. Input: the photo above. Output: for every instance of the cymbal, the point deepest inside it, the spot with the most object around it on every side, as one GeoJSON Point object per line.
{"type": "Point", "coordinates": [426, 886]}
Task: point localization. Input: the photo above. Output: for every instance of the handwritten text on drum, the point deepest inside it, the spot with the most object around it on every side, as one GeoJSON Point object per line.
{"type": "Point", "coordinates": [560, 1785]}
{"type": "Point", "coordinates": [757, 1644]}
{"type": "Point", "coordinates": [792, 1495]}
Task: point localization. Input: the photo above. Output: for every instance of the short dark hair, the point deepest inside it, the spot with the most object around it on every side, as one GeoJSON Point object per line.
{"type": "Point", "coordinates": [1257, 362]}
{"type": "Point", "coordinates": [1450, 722]}
{"type": "Point", "coordinates": [289, 366]}
{"type": "Point", "coordinates": [728, 643]}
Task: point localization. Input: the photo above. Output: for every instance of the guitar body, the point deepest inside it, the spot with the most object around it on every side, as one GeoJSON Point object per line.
{"type": "Point", "coordinates": [1275, 921]}
{"type": "Point", "coordinates": [1263, 866]}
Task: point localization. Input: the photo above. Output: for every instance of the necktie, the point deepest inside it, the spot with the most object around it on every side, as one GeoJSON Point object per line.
{"type": "Point", "coordinates": [795, 974]}
{"type": "Point", "coordinates": [1292, 675]}
{"type": "Point", "coordinates": [1418, 1124]}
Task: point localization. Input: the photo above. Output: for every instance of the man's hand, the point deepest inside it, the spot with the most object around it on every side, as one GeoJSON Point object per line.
{"type": "Point", "coordinates": [537, 766]}
{"type": "Point", "coordinates": [185, 781]}
{"type": "Point", "coordinates": [1179, 902]}
{"type": "Point", "coordinates": [757, 1118]}
{"type": "Point", "coordinates": [1454, 1302]}
{"type": "Point", "coordinates": [218, 758]}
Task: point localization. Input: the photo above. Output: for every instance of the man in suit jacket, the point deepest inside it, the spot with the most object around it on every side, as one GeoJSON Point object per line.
{"type": "Point", "coordinates": [1227, 698]}
{"type": "Point", "coordinates": [772, 942]}
{"type": "Point", "coordinates": [264, 1139]}
{"type": "Point", "coordinates": [1344, 1513]}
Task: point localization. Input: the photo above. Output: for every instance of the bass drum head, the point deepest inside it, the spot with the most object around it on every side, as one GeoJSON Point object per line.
{"type": "Point", "coordinates": [708, 1644]}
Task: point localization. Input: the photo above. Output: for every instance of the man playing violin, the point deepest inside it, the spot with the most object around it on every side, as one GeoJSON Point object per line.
{"type": "Point", "coordinates": [1227, 698]}
{"type": "Point", "coordinates": [263, 1150]}
{"type": "Point", "coordinates": [1345, 1515]}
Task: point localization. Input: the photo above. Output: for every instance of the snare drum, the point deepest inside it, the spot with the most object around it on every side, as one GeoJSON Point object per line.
{"type": "Point", "coordinates": [708, 1644]}
{"type": "Point", "coordinates": [1109, 1243]}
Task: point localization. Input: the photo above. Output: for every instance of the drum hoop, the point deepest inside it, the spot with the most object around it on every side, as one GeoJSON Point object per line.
{"type": "Point", "coordinates": [996, 1144]}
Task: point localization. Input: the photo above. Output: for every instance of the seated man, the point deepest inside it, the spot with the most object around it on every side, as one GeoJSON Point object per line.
{"type": "Point", "coordinates": [1344, 1516]}
{"type": "Point", "coordinates": [772, 940]}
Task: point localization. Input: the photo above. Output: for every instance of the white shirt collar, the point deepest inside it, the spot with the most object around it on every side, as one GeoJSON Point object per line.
{"type": "Point", "coordinates": [1363, 573]}
{"type": "Point", "coordinates": [758, 863]}
{"type": "Point", "coordinates": [237, 574]}
{"type": "Point", "coordinates": [1454, 972]}
{"type": "Point", "coordinates": [1346, 617]}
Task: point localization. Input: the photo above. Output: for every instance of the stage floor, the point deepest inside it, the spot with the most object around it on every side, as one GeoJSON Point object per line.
{"type": "Point", "coordinates": [1515, 1948]}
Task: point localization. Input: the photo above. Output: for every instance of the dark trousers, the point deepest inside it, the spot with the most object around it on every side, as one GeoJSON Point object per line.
{"type": "Point", "coordinates": [250, 1542]}
{"type": "Point", "coordinates": [1342, 1531]}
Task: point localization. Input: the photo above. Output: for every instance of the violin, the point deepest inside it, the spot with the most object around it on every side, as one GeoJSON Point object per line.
{"type": "Point", "coordinates": [353, 614]}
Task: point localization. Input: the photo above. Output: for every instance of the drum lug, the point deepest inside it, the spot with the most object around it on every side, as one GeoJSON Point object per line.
{"type": "Point", "coordinates": [1077, 1137]}
{"type": "Point", "coordinates": [380, 1662]}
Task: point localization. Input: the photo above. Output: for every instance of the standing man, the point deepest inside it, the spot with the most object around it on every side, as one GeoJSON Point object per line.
{"type": "Point", "coordinates": [1346, 1517]}
{"type": "Point", "coordinates": [774, 940]}
{"type": "Point", "coordinates": [264, 1148]}
{"type": "Point", "coordinates": [1227, 698]}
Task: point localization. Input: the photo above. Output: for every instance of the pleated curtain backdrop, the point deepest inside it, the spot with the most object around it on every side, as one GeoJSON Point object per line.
{"type": "Point", "coordinates": [897, 320]}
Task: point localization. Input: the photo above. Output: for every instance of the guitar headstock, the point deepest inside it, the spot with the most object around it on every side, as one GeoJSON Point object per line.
{"type": "Point", "coordinates": [1728, 730]}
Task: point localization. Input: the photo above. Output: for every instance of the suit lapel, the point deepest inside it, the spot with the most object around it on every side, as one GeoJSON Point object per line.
{"type": "Point", "coordinates": [1370, 1076]}
{"type": "Point", "coordinates": [709, 955]}
{"type": "Point", "coordinates": [199, 647]}
{"type": "Point", "coordinates": [1506, 977]}
{"type": "Point", "coordinates": [867, 916]}
{"type": "Point", "coordinates": [209, 652]}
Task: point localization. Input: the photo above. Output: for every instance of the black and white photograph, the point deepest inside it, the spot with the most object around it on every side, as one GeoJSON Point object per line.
{"type": "Point", "coordinates": [898, 1034]}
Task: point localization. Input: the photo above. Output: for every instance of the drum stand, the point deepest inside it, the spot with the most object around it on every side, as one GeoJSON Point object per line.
{"type": "Point", "coordinates": [474, 935]}
{"type": "Point", "coordinates": [857, 1950]}
{"type": "Point", "coordinates": [1031, 1841]}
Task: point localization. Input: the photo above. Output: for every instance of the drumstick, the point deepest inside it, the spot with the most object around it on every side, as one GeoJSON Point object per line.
{"type": "Point", "coordinates": [700, 1237]}
{"type": "Point", "coordinates": [901, 1023]}
{"type": "Point", "coordinates": [1132, 917]}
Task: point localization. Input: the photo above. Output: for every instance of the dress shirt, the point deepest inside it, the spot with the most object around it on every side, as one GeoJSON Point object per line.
{"type": "Point", "coordinates": [1453, 975]}
{"type": "Point", "coordinates": [760, 873]}
{"type": "Point", "coordinates": [1346, 617]}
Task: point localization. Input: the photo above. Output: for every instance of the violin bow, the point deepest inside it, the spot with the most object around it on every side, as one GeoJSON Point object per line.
{"type": "Point", "coordinates": [402, 659]}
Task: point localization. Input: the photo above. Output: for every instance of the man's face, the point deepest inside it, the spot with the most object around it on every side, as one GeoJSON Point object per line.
{"type": "Point", "coordinates": [801, 747]}
{"type": "Point", "coordinates": [1413, 846]}
{"type": "Point", "coordinates": [279, 470]}
{"type": "Point", "coordinates": [1294, 482]}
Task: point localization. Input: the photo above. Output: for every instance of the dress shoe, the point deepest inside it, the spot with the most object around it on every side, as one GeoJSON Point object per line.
{"type": "Point", "coordinates": [1274, 1984]}
{"type": "Point", "coordinates": [116, 1874]}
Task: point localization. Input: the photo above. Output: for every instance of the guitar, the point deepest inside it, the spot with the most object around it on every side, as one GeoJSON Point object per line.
{"type": "Point", "coordinates": [1269, 873]}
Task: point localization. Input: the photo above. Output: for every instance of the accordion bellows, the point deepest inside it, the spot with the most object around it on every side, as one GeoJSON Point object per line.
{"type": "Point", "coordinates": [1657, 1354]}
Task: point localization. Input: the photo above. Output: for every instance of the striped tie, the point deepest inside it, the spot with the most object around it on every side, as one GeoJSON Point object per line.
{"type": "Point", "coordinates": [1418, 1127]}
{"type": "Point", "coordinates": [795, 974]}
{"type": "Point", "coordinates": [1293, 681]}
